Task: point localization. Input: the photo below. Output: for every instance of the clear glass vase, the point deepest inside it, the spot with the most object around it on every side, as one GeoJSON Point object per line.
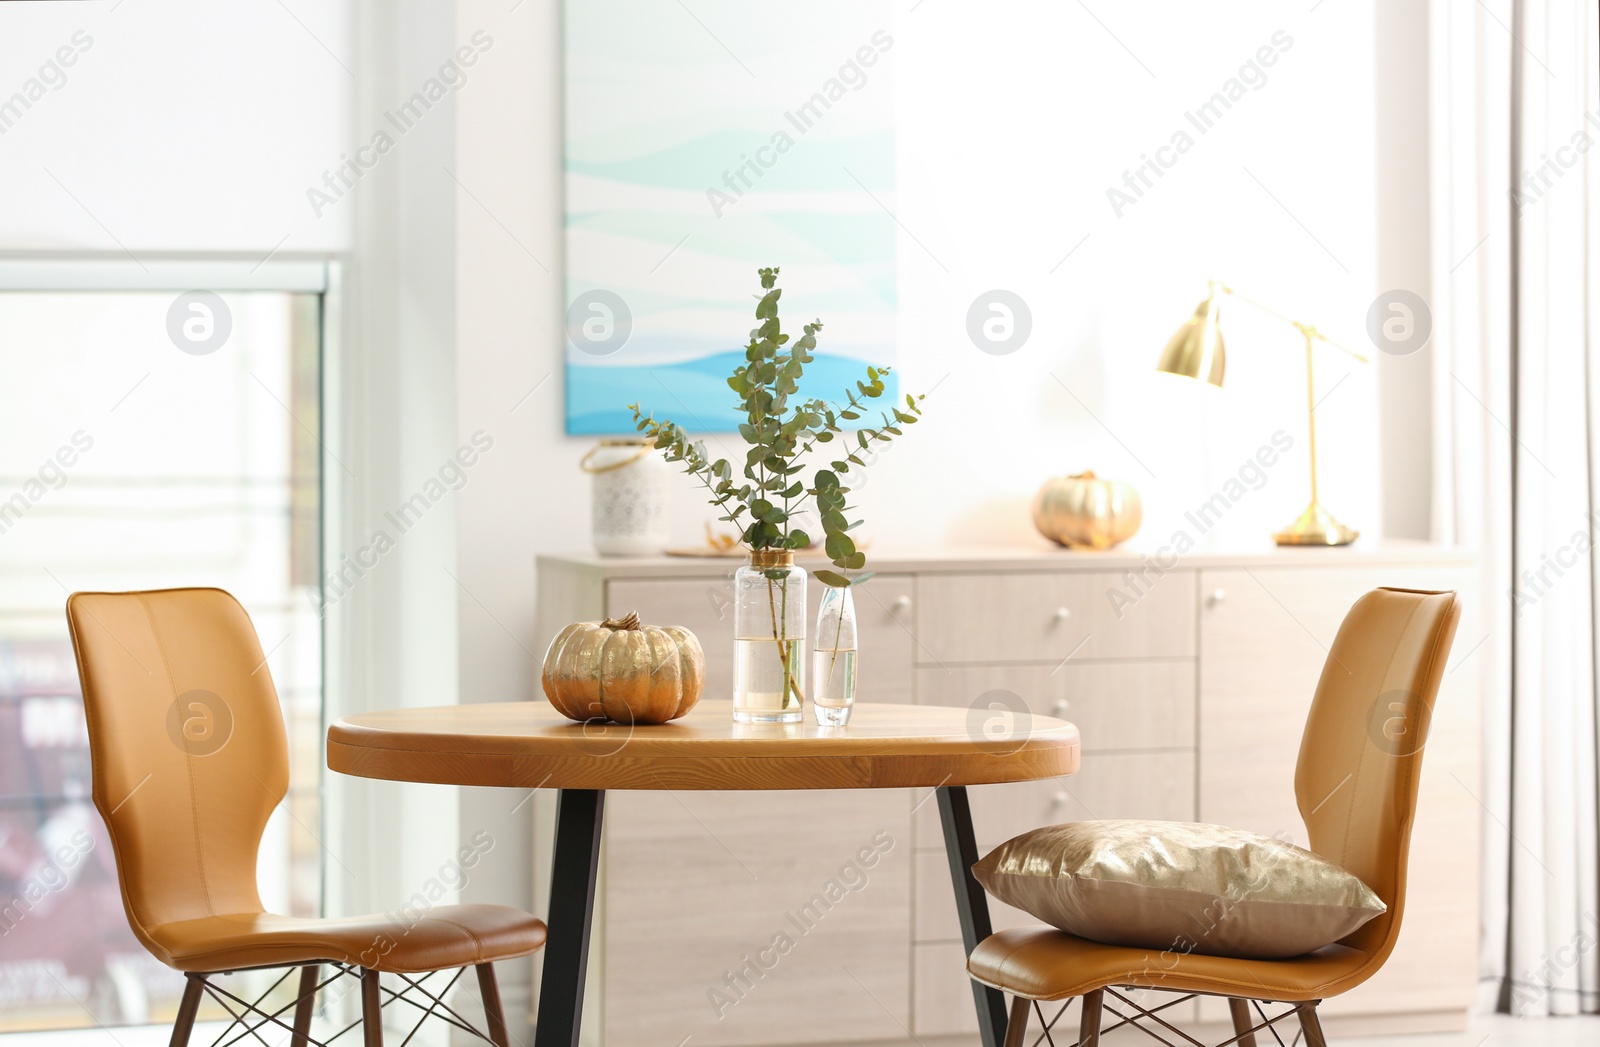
{"type": "Point", "coordinates": [833, 659]}
{"type": "Point", "coordinates": [769, 639]}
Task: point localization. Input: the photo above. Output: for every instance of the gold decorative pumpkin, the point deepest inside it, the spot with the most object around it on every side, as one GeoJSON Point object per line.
{"type": "Point", "coordinates": [1086, 512]}
{"type": "Point", "coordinates": [622, 670]}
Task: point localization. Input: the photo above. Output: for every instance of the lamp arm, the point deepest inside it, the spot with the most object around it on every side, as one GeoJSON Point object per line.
{"type": "Point", "coordinates": [1308, 330]}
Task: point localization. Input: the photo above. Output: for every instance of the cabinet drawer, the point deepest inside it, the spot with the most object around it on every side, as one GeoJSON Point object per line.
{"type": "Point", "coordinates": [934, 903]}
{"type": "Point", "coordinates": [1116, 705]}
{"type": "Point", "coordinates": [884, 618]}
{"type": "Point", "coordinates": [1005, 617]}
{"type": "Point", "coordinates": [701, 884]}
{"type": "Point", "coordinates": [941, 991]}
{"type": "Point", "coordinates": [1108, 785]}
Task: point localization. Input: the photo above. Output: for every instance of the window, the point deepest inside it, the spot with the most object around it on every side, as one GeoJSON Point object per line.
{"type": "Point", "coordinates": [148, 439]}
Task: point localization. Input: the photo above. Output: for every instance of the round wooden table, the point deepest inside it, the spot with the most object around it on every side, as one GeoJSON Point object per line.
{"type": "Point", "coordinates": [528, 745]}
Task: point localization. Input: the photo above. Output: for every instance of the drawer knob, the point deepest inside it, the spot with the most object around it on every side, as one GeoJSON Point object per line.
{"type": "Point", "coordinates": [1063, 613]}
{"type": "Point", "coordinates": [901, 604]}
{"type": "Point", "coordinates": [1060, 799]}
{"type": "Point", "coordinates": [1217, 596]}
{"type": "Point", "coordinates": [1061, 707]}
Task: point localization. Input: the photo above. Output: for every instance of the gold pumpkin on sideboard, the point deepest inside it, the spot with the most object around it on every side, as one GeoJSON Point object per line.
{"type": "Point", "coordinates": [1085, 512]}
{"type": "Point", "coordinates": [623, 670]}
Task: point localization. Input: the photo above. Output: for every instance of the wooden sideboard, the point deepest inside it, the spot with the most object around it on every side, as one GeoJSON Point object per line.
{"type": "Point", "coordinates": [1190, 685]}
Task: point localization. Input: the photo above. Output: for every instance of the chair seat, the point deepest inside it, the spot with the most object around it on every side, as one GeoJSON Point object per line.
{"type": "Point", "coordinates": [446, 936]}
{"type": "Point", "coordinates": [1042, 963]}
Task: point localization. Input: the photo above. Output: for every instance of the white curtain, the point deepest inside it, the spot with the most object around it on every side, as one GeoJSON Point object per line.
{"type": "Point", "coordinates": [1516, 155]}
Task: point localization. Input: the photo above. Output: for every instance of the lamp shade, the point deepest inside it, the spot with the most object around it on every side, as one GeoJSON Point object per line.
{"type": "Point", "coordinates": [1195, 349]}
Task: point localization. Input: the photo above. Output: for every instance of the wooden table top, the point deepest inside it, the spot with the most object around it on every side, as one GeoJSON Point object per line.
{"type": "Point", "coordinates": [529, 745]}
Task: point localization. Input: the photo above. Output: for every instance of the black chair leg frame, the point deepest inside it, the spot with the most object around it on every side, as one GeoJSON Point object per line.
{"type": "Point", "coordinates": [1114, 1001]}
{"type": "Point", "coordinates": [251, 1016]}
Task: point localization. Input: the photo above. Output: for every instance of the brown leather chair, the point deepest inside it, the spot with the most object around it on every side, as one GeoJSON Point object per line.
{"type": "Point", "coordinates": [190, 759]}
{"type": "Point", "coordinates": [1356, 786]}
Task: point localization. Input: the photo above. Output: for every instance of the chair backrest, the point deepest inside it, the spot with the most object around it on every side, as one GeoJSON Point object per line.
{"type": "Point", "coordinates": [187, 743]}
{"type": "Point", "coordinates": [1361, 755]}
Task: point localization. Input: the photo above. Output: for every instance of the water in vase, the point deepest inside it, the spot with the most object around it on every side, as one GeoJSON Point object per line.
{"type": "Point", "coordinates": [833, 686]}
{"type": "Point", "coordinates": [834, 660]}
{"type": "Point", "coordinates": [759, 691]}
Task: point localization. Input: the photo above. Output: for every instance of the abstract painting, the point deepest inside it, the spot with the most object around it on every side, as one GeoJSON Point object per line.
{"type": "Point", "coordinates": [706, 139]}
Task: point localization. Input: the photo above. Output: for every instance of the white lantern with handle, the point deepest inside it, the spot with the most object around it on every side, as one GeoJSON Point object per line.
{"type": "Point", "coordinates": [629, 497]}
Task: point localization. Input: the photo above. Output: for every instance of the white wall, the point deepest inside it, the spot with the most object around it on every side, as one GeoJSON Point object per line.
{"type": "Point", "coordinates": [509, 386]}
{"type": "Point", "coordinates": [520, 498]}
{"type": "Point", "coordinates": [1006, 159]}
{"type": "Point", "coordinates": [1278, 198]}
{"type": "Point", "coordinates": [1405, 260]}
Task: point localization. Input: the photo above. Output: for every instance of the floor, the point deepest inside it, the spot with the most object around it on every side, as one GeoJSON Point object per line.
{"type": "Point", "coordinates": [1500, 1031]}
{"type": "Point", "coordinates": [1493, 1031]}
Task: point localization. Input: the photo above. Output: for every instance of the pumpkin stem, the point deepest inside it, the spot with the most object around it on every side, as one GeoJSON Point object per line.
{"type": "Point", "coordinates": [628, 622]}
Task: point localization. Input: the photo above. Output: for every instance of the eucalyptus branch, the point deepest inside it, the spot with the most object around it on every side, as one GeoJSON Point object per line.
{"type": "Point", "coordinates": [781, 438]}
{"type": "Point", "coordinates": [677, 447]}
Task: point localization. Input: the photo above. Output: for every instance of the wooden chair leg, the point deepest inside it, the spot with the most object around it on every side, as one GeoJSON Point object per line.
{"type": "Point", "coordinates": [1242, 1021]}
{"type": "Point", "coordinates": [489, 989]}
{"type": "Point", "coordinates": [1017, 1024]}
{"type": "Point", "coordinates": [371, 1009]}
{"type": "Point", "coordinates": [1089, 1022]}
{"type": "Point", "coordinates": [304, 1004]}
{"type": "Point", "coordinates": [1310, 1023]}
{"type": "Point", "coordinates": [183, 1025]}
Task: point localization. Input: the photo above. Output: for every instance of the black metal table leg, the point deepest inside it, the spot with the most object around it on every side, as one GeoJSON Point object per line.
{"type": "Point", "coordinates": [566, 951]}
{"type": "Point", "coordinates": [961, 847]}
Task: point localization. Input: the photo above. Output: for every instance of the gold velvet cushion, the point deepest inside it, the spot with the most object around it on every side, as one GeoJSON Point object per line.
{"type": "Point", "coordinates": [1179, 887]}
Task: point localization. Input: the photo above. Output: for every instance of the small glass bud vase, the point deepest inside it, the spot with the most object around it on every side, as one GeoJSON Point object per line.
{"type": "Point", "coordinates": [769, 639]}
{"type": "Point", "coordinates": [833, 659]}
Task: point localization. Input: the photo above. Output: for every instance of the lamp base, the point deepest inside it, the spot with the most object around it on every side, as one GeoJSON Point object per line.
{"type": "Point", "coordinates": [1316, 526]}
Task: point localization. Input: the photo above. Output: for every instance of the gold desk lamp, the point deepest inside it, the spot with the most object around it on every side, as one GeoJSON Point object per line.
{"type": "Point", "coordinates": [1197, 351]}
